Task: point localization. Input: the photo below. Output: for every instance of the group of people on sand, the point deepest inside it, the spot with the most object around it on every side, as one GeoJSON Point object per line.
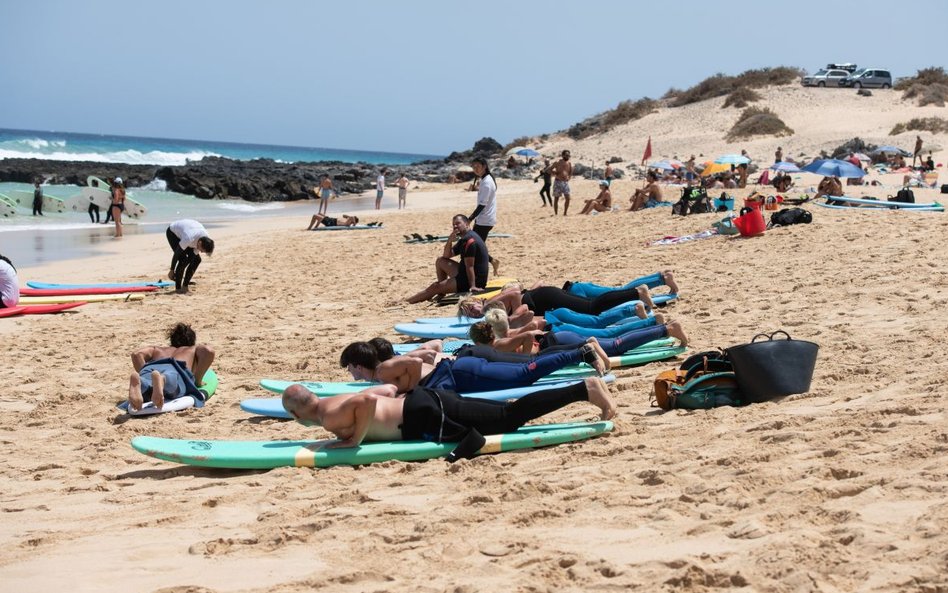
{"type": "Point", "coordinates": [325, 191]}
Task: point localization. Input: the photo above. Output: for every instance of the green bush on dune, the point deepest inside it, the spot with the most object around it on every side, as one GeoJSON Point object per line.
{"type": "Point", "coordinates": [758, 121]}
{"type": "Point", "coordinates": [741, 98]}
{"type": "Point", "coordinates": [722, 84]}
{"type": "Point", "coordinates": [922, 124]}
{"type": "Point", "coordinates": [624, 112]}
{"type": "Point", "coordinates": [929, 86]}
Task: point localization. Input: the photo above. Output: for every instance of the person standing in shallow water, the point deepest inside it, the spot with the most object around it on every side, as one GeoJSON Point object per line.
{"type": "Point", "coordinates": [37, 199]}
{"type": "Point", "coordinates": [118, 205]}
{"type": "Point", "coordinates": [379, 189]}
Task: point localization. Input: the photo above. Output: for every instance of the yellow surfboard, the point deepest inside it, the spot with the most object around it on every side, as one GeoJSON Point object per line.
{"type": "Point", "coordinates": [76, 298]}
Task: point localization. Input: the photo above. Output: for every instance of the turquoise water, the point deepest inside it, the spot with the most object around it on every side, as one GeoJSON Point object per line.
{"type": "Point", "coordinates": [66, 146]}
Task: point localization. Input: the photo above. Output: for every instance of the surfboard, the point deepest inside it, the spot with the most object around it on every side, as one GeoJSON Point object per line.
{"type": "Point", "coordinates": [883, 203]}
{"type": "Point", "coordinates": [357, 227]}
{"type": "Point", "coordinates": [102, 197]}
{"type": "Point", "coordinates": [447, 346]}
{"type": "Point", "coordinates": [7, 206]}
{"type": "Point", "coordinates": [443, 238]}
{"type": "Point", "coordinates": [29, 291]}
{"type": "Point", "coordinates": [39, 309]}
{"type": "Point", "coordinates": [272, 454]}
{"type": "Point", "coordinates": [660, 299]}
{"type": "Point", "coordinates": [126, 285]}
{"type": "Point", "coordinates": [637, 357]}
{"type": "Point", "coordinates": [24, 199]}
{"type": "Point", "coordinates": [175, 405]}
{"type": "Point", "coordinates": [938, 208]}
{"type": "Point", "coordinates": [273, 407]}
{"type": "Point", "coordinates": [88, 298]}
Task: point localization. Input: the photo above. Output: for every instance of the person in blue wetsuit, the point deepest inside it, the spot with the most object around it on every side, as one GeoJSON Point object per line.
{"type": "Point", "coordinates": [590, 290]}
{"type": "Point", "coordinates": [169, 372]}
{"type": "Point", "coordinates": [463, 375]}
{"type": "Point", "coordinates": [437, 415]}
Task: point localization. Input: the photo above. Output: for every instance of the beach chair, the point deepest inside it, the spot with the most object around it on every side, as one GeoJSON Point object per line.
{"type": "Point", "coordinates": [930, 179]}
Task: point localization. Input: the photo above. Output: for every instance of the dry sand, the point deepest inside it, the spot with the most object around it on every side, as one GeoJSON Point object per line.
{"type": "Point", "coordinates": [840, 489]}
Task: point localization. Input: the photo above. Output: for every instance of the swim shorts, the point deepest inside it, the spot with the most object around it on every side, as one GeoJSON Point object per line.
{"type": "Point", "coordinates": [330, 221]}
{"type": "Point", "coordinates": [560, 188]}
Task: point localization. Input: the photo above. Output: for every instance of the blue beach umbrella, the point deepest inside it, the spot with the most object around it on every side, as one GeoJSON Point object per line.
{"type": "Point", "coordinates": [732, 159]}
{"type": "Point", "coordinates": [891, 149]}
{"type": "Point", "coordinates": [785, 167]}
{"type": "Point", "coordinates": [528, 152]}
{"type": "Point", "coordinates": [663, 166]}
{"type": "Point", "coordinates": [833, 168]}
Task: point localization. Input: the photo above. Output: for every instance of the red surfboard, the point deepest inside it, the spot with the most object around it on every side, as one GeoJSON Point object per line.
{"type": "Point", "coordinates": [81, 291]}
{"type": "Point", "coordinates": [39, 309]}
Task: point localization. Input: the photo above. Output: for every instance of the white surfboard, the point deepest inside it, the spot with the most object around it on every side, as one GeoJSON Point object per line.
{"type": "Point", "coordinates": [24, 199]}
{"type": "Point", "coordinates": [7, 207]}
{"type": "Point", "coordinates": [97, 192]}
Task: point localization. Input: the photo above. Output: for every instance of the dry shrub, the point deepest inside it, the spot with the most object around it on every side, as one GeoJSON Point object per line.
{"type": "Point", "coordinates": [721, 84]}
{"type": "Point", "coordinates": [521, 141]}
{"type": "Point", "coordinates": [624, 112]}
{"type": "Point", "coordinates": [929, 86]}
{"type": "Point", "coordinates": [758, 121]}
{"type": "Point", "coordinates": [741, 97]}
{"type": "Point", "coordinates": [922, 124]}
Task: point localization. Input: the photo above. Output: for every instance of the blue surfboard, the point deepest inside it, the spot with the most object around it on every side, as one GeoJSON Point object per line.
{"type": "Point", "coordinates": [53, 285]}
{"type": "Point", "coordinates": [453, 320]}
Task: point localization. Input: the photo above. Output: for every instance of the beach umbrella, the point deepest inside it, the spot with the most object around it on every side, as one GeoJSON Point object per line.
{"type": "Point", "coordinates": [528, 152]}
{"type": "Point", "coordinates": [465, 169]}
{"type": "Point", "coordinates": [664, 165]}
{"type": "Point", "coordinates": [515, 150]}
{"type": "Point", "coordinates": [891, 149]}
{"type": "Point", "coordinates": [862, 157]}
{"type": "Point", "coordinates": [786, 167]}
{"type": "Point", "coordinates": [713, 168]}
{"type": "Point", "coordinates": [732, 159]}
{"type": "Point", "coordinates": [833, 168]}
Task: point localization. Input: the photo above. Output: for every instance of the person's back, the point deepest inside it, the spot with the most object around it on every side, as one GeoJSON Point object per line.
{"type": "Point", "coordinates": [9, 284]}
{"type": "Point", "coordinates": [471, 245]}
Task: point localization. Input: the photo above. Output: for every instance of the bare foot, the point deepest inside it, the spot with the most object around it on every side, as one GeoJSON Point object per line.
{"type": "Point", "coordinates": [645, 296]}
{"type": "Point", "coordinates": [600, 352]}
{"type": "Point", "coordinates": [157, 389]}
{"type": "Point", "coordinates": [496, 264]}
{"type": "Point", "coordinates": [591, 357]}
{"type": "Point", "coordinates": [674, 330]}
{"type": "Point", "coordinates": [670, 281]}
{"type": "Point", "coordinates": [659, 319]}
{"type": "Point", "coordinates": [640, 311]}
{"type": "Point", "coordinates": [135, 399]}
{"type": "Point", "coordinates": [599, 396]}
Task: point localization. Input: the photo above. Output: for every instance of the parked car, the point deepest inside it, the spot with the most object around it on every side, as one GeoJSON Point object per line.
{"type": "Point", "coordinates": [869, 78]}
{"type": "Point", "coordinates": [824, 77]}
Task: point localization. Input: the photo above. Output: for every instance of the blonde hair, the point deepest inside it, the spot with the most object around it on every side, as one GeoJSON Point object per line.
{"type": "Point", "coordinates": [465, 307]}
{"type": "Point", "coordinates": [497, 319]}
{"type": "Point", "coordinates": [512, 285]}
{"type": "Point", "coordinates": [481, 333]}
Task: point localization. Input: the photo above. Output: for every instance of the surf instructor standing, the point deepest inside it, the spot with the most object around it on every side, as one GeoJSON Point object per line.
{"type": "Point", "coordinates": [485, 214]}
{"type": "Point", "coordinates": [188, 238]}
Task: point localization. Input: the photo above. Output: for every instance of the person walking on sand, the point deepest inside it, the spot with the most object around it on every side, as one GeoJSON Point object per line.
{"type": "Point", "coordinates": [562, 171]}
{"type": "Point", "coordinates": [918, 150]}
{"type": "Point", "coordinates": [402, 184]}
{"type": "Point", "coordinates": [485, 214]}
{"type": "Point", "coordinates": [37, 199]}
{"type": "Point", "coordinates": [326, 191]}
{"type": "Point", "coordinates": [188, 238]}
{"type": "Point", "coordinates": [608, 173]}
{"type": "Point", "coordinates": [778, 156]}
{"type": "Point", "coordinates": [118, 205]}
{"type": "Point", "coordinates": [379, 189]}
{"type": "Point", "coordinates": [164, 373]}
{"type": "Point", "coordinates": [442, 416]}
{"type": "Point", "coordinates": [547, 175]}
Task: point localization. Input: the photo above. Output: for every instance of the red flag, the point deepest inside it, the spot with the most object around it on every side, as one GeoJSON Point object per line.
{"type": "Point", "coordinates": [648, 151]}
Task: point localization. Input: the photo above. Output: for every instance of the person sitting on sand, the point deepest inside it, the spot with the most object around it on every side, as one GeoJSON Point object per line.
{"type": "Point", "coordinates": [188, 239]}
{"type": "Point", "coordinates": [467, 275]}
{"type": "Point", "coordinates": [9, 284]}
{"type": "Point", "coordinates": [602, 202]}
{"type": "Point", "coordinates": [494, 333]}
{"type": "Point", "coordinates": [782, 182]}
{"type": "Point", "coordinates": [374, 414]}
{"type": "Point", "coordinates": [648, 196]}
{"type": "Point", "coordinates": [464, 375]}
{"type": "Point", "coordinates": [328, 221]}
{"type": "Point", "coordinates": [164, 373]}
{"type": "Point", "coordinates": [829, 186]}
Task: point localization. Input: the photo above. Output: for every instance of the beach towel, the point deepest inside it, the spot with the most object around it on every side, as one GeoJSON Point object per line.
{"type": "Point", "coordinates": [671, 240]}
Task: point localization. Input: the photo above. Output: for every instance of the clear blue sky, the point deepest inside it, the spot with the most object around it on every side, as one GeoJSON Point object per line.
{"type": "Point", "coordinates": [427, 76]}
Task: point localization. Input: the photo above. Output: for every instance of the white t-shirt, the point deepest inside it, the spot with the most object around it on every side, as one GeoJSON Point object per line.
{"type": "Point", "coordinates": [380, 182]}
{"type": "Point", "coordinates": [189, 231]}
{"type": "Point", "coordinates": [487, 197]}
{"type": "Point", "coordinates": [9, 285]}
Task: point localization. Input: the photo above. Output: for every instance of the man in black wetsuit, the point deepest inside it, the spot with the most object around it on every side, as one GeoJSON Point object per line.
{"type": "Point", "coordinates": [468, 275]}
{"type": "Point", "coordinates": [436, 415]}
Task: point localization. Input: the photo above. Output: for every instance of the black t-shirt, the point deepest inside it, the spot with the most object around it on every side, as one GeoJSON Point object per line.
{"type": "Point", "coordinates": [471, 245]}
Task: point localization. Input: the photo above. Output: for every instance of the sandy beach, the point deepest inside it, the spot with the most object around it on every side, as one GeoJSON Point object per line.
{"type": "Point", "coordinates": [840, 489]}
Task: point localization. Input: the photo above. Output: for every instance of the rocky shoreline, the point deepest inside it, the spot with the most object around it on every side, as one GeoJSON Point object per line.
{"type": "Point", "coordinates": [265, 180]}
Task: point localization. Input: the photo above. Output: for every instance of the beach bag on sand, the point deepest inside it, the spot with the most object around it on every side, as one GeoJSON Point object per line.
{"type": "Point", "coordinates": [694, 200]}
{"type": "Point", "coordinates": [789, 216]}
{"type": "Point", "coordinates": [944, 188]}
{"type": "Point", "coordinates": [705, 380]}
{"type": "Point", "coordinates": [768, 368]}
{"type": "Point", "coordinates": [904, 195]}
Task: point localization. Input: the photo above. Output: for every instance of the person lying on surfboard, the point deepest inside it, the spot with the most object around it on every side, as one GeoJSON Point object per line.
{"type": "Point", "coordinates": [169, 372]}
{"type": "Point", "coordinates": [467, 275]}
{"type": "Point", "coordinates": [324, 220]}
{"type": "Point", "coordinates": [438, 415]}
{"type": "Point", "coordinates": [465, 375]}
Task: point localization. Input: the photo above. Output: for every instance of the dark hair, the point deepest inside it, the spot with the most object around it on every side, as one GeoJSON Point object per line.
{"type": "Point", "coordinates": [383, 349]}
{"type": "Point", "coordinates": [462, 217]}
{"type": "Point", "coordinates": [356, 218]}
{"type": "Point", "coordinates": [7, 259]}
{"type": "Point", "coordinates": [483, 162]}
{"type": "Point", "coordinates": [652, 175]}
{"type": "Point", "coordinates": [181, 335]}
{"type": "Point", "coordinates": [481, 333]}
{"type": "Point", "coordinates": [207, 244]}
{"type": "Point", "coordinates": [360, 354]}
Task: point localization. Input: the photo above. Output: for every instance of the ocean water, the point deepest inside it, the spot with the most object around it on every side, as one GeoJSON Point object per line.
{"type": "Point", "coordinates": [63, 146]}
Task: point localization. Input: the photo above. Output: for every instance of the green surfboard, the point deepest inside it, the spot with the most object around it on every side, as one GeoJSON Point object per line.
{"type": "Point", "coordinates": [638, 356]}
{"type": "Point", "coordinates": [271, 454]}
